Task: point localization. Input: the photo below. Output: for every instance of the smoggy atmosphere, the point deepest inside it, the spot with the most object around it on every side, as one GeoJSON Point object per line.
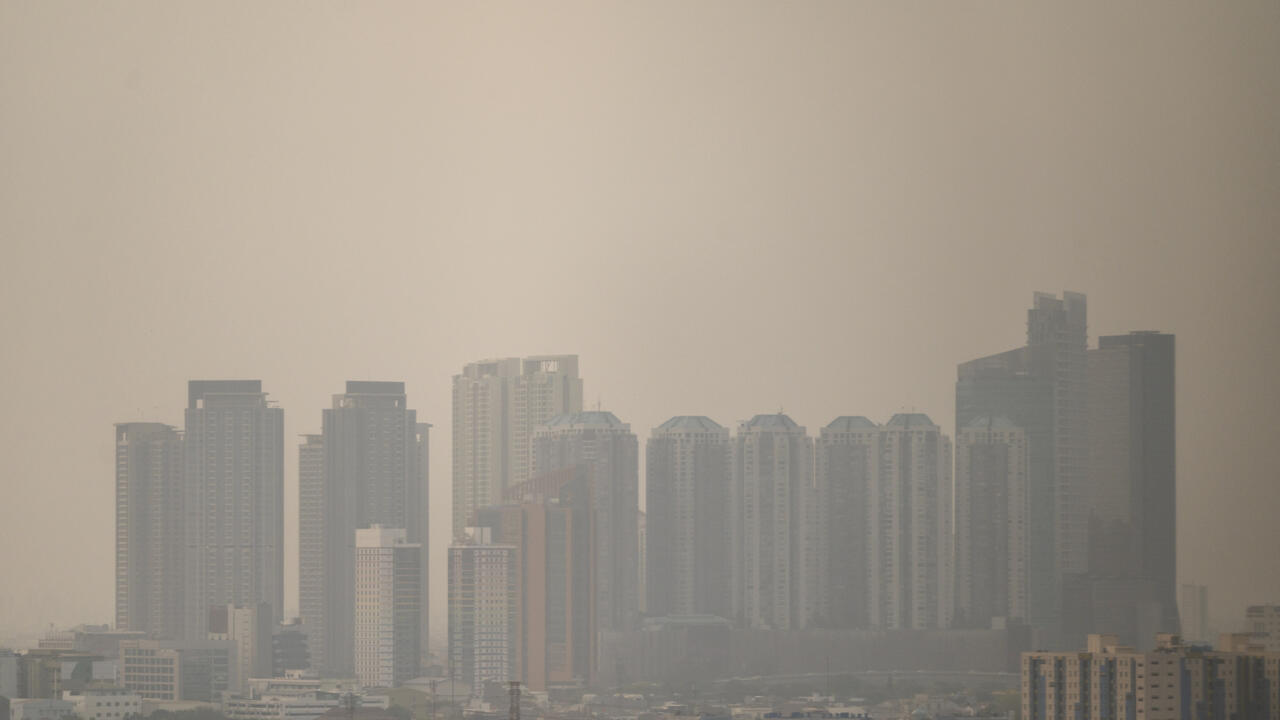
{"type": "Point", "coordinates": [723, 209]}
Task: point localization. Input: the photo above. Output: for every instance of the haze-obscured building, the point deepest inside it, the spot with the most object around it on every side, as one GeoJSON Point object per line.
{"type": "Point", "coordinates": [1193, 611]}
{"type": "Point", "coordinates": [847, 457]}
{"type": "Point", "coordinates": [374, 472]}
{"type": "Point", "coordinates": [910, 574]}
{"type": "Point", "coordinates": [1042, 388]}
{"type": "Point", "coordinates": [150, 532]}
{"type": "Point", "coordinates": [776, 529]}
{"type": "Point", "coordinates": [991, 532]}
{"type": "Point", "coordinates": [233, 448]}
{"type": "Point", "coordinates": [483, 612]}
{"type": "Point", "coordinates": [606, 450]}
{"type": "Point", "coordinates": [498, 405]}
{"type": "Point", "coordinates": [687, 518]}
{"type": "Point", "coordinates": [168, 671]}
{"type": "Point", "coordinates": [1263, 622]}
{"type": "Point", "coordinates": [388, 606]}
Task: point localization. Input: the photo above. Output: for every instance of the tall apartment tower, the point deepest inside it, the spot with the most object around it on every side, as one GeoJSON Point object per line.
{"type": "Point", "coordinates": [372, 474]}
{"type": "Point", "coordinates": [847, 459]}
{"type": "Point", "coordinates": [497, 407]}
{"type": "Point", "coordinates": [607, 451]}
{"type": "Point", "coordinates": [149, 529]}
{"type": "Point", "coordinates": [388, 599]}
{"type": "Point", "coordinates": [991, 522]}
{"type": "Point", "coordinates": [1133, 487]}
{"type": "Point", "coordinates": [775, 527]}
{"type": "Point", "coordinates": [483, 612]}
{"type": "Point", "coordinates": [910, 545]}
{"type": "Point", "coordinates": [1042, 388]}
{"type": "Point", "coordinates": [234, 466]}
{"type": "Point", "coordinates": [687, 476]}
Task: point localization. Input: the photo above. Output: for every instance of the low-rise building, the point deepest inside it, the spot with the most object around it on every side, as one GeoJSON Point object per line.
{"type": "Point", "coordinates": [169, 671]}
{"type": "Point", "coordinates": [100, 701]}
{"type": "Point", "coordinates": [39, 709]}
{"type": "Point", "coordinates": [1174, 681]}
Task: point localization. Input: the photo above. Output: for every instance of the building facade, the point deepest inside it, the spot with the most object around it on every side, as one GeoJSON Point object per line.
{"type": "Point", "coordinates": [1193, 612]}
{"type": "Point", "coordinates": [991, 531]}
{"type": "Point", "coordinates": [150, 540]}
{"type": "Point", "coordinates": [483, 612]}
{"type": "Point", "coordinates": [687, 518]}
{"type": "Point", "coordinates": [234, 467]}
{"type": "Point", "coordinates": [607, 452]}
{"type": "Point", "coordinates": [374, 472]}
{"type": "Point", "coordinates": [498, 405]}
{"type": "Point", "coordinates": [910, 567]}
{"type": "Point", "coordinates": [1042, 388]}
{"type": "Point", "coordinates": [774, 531]}
{"type": "Point", "coordinates": [388, 606]}
{"type": "Point", "coordinates": [1173, 681]}
{"type": "Point", "coordinates": [847, 462]}
{"type": "Point", "coordinates": [1263, 622]}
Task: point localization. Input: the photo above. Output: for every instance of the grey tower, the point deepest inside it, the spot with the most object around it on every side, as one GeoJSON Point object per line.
{"type": "Point", "coordinates": [776, 527]}
{"type": "Point", "coordinates": [603, 447]}
{"type": "Point", "coordinates": [149, 529]}
{"type": "Point", "coordinates": [687, 471]}
{"type": "Point", "coordinates": [1133, 495]}
{"type": "Point", "coordinates": [372, 474]}
{"type": "Point", "coordinates": [234, 459]}
{"type": "Point", "coordinates": [847, 459]}
{"type": "Point", "coordinates": [1042, 388]}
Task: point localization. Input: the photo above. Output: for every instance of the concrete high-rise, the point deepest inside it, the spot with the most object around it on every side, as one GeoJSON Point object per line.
{"type": "Point", "coordinates": [991, 522]}
{"type": "Point", "coordinates": [233, 449]}
{"type": "Point", "coordinates": [607, 451]}
{"type": "Point", "coordinates": [777, 559]}
{"type": "Point", "coordinates": [150, 541]}
{"type": "Point", "coordinates": [542, 534]}
{"type": "Point", "coordinates": [910, 566]}
{"type": "Point", "coordinates": [498, 406]}
{"type": "Point", "coordinates": [1042, 388]}
{"type": "Point", "coordinates": [847, 460]}
{"type": "Point", "coordinates": [373, 473]}
{"type": "Point", "coordinates": [388, 606]}
{"type": "Point", "coordinates": [483, 612]}
{"type": "Point", "coordinates": [1131, 585]}
{"type": "Point", "coordinates": [687, 489]}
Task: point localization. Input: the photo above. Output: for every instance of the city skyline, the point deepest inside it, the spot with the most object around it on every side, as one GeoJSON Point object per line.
{"type": "Point", "coordinates": [822, 211]}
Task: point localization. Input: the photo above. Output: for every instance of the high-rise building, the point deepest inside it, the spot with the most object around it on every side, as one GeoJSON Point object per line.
{"type": "Point", "coordinates": [373, 473]}
{"type": "Point", "coordinates": [483, 616]}
{"type": "Point", "coordinates": [687, 513]}
{"type": "Point", "coordinates": [150, 540]}
{"type": "Point", "coordinates": [777, 555]}
{"type": "Point", "coordinates": [847, 459]}
{"type": "Point", "coordinates": [388, 606]}
{"type": "Point", "coordinates": [234, 467]}
{"type": "Point", "coordinates": [1131, 585]}
{"type": "Point", "coordinates": [991, 522]}
{"type": "Point", "coordinates": [1042, 388]}
{"type": "Point", "coordinates": [1193, 611]}
{"type": "Point", "coordinates": [910, 577]}
{"type": "Point", "coordinates": [606, 450]}
{"type": "Point", "coordinates": [498, 406]}
{"type": "Point", "coordinates": [542, 534]}
{"type": "Point", "coordinates": [1173, 681]}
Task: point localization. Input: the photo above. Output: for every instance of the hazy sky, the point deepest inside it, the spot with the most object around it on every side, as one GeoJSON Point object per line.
{"type": "Point", "coordinates": [723, 208]}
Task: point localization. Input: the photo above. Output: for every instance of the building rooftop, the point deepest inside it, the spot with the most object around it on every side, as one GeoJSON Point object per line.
{"type": "Point", "coordinates": [999, 422]}
{"type": "Point", "coordinates": [903, 420]}
{"type": "Point", "coordinates": [846, 423]}
{"type": "Point", "coordinates": [588, 418]}
{"type": "Point", "coordinates": [691, 423]}
{"type": "Point", "coordinates": [776, 421]}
